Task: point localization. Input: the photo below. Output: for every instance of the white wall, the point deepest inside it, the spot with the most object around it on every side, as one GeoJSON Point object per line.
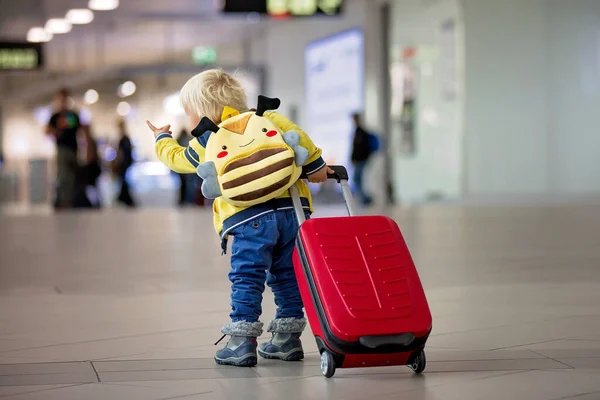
{"type": "Point", "coordinates": [436, 166]}
{"type": "Point", "coordinates": [533, 95]}
{"type": "Point", "coordinates": [574, 91]}
{"type": "Point", "coordinates": [506, 110]}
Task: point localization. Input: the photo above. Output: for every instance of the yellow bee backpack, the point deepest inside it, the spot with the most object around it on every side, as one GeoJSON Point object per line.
{"type": "Point", "coordinates": [248, 159]}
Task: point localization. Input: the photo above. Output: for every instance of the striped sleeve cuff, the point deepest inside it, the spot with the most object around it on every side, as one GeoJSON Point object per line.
{"type": "Point", "coordinates": [192, 156]}
{"type": "Point", "coordinates": [314, 166]}
{"type": "Point", "coordinates": [163, 136]}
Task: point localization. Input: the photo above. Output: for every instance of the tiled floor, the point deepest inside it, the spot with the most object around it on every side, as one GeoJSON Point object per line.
{"type": "Point", "coordinates": [120, 305]}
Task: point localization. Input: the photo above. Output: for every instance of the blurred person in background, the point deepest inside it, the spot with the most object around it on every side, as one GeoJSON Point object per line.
{"type": "Point", "coordinates": [64, 126]}
{"type": "Point", "coordinates": [88, 195]}
{"type": "Point", "coordinates": [123, 161]}
{"type": "Point", "coordinates": [361, 152]}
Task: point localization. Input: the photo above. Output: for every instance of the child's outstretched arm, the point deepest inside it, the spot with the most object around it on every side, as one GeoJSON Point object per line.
{"type": "Point", "coordinates": [183, 160]}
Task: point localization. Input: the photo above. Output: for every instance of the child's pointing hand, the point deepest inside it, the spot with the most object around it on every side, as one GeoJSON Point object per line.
{"type": "Point", "coordinates": [158, 131]}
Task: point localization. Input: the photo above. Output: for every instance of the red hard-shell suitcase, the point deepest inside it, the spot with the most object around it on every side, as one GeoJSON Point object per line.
{"type": "Point", "coordinates": [361, 291]}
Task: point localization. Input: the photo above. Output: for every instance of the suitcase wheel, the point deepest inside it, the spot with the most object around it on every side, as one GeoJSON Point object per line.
{"type": "Point", "coordinates": [327, 364]}
{"type": "Point", "coordinates": [419, 362]}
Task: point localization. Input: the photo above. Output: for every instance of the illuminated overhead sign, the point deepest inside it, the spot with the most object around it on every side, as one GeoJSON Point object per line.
{"type": "Point", "coordinates": [203, 55]}
{"type": "Point", "coordinates": [20, 56]}
{"type": "Point", "coordinates": [285, 8]}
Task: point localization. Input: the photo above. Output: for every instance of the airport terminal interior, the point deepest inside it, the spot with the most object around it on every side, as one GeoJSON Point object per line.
{"type": "Point", "coordinates": [471, 124]}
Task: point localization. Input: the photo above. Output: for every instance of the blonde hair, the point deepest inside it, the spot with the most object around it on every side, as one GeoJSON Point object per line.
{"type": "Point", "coordinates": [207, 93]}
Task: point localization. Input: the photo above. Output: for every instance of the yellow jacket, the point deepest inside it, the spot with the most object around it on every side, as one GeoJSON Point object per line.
{"type": "Point", "coordinates": [226, 216]}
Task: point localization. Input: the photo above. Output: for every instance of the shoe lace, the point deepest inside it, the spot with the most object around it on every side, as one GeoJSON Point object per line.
{"type": "Point", "coordinates": [219, 341]}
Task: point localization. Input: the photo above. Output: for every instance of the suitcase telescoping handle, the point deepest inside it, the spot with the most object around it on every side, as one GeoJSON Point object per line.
{"type": "Point", "coordinates": [340, 174]}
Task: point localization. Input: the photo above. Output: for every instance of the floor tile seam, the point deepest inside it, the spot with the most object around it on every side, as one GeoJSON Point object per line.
{"type": "Point", "coordinates": [14, 336]}
{"type": "Point", "coordinates": [118, 323]}
{"type": "Point", "coordinates": [555, 360]}
{"type": "Point", "coordinates": [215, 368]}
{"type": "Point", "coordinates": [455, 332]}
{"type": "Point", "coordinates": [44, 390]}
{"type": "Point", "coordinates": [106, 382]}
{"type": "Point", "coordinates": [143, 384]}
{"type": "Point", "coordinates": [523, 345]}
{"type": "Point", "coordinates": [571, 357]}
{"type": "Point", "coordinates": [490, 359]}
{"type": "Point", "coordinates": [258, 375]}
{"type": "Point", "coordinates": [50, 362]}
{"type": "Point", "coordinates": [187, 395]}
{"type": "Point", "coordinates": [96, 361]}
{"type": "Point", "coordinates": [95, 371]}
{"type": "Point", "coordinates": [508, 325]}
{"type": "Point", "coordinates": [505, 373]}
{"type": "Point", "coordinates": [98, 340]}
{"type": "Point", "coordinates": [70, 373]}
{"type": "Point", "coordinates": [112, 359]}
{"type": "Point", "coordinates": [482, 370]}
{"type": "Point", "coordinates": [164, 370]}
{"type": "Point", "coordinates": [138, 384]}
{"type": "Point", "coordinates": [286, 379]}
{"type": "Point", "coordinates": [582, 340]}
{"type": "Point", "coordinates": [515, 372]}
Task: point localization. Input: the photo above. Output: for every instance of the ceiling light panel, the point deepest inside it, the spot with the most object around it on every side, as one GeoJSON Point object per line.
{"type": "Point", "coordinates": [38, 35]}
{"type": "Point", "coordinates": [103, 5]}
{"type": "Point", "coordinates": [80, 16]}
{"type": "Point", "coordinates": [58, 26]}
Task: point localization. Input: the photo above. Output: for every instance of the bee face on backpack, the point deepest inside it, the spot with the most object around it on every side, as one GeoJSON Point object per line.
{"type": "Point", "coordinates": [249, 160]}
{"type": "Point", "coordinates": [241, 136]}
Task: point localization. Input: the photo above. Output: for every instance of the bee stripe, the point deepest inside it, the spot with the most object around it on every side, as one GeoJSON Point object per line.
{"type": "Point", "coordinates": [257, 194]}
{"type": "Point", "coordinates": [269, 169]}
{"type": "Point", "coordinates": [256, 157]}
{"type": "Point", "coordinates": [247, 169]}
{"type": "Point", "coordinates": [258, 184]}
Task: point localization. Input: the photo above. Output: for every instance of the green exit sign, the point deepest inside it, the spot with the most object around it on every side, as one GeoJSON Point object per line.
{"type": "Point", "coordinates": [15, 56]}
{"type": "Point", "coordinates": [204, 55]}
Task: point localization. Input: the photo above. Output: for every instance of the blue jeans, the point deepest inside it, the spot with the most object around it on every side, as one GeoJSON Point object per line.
{"type": "Point", "coordinates": [262, 253]}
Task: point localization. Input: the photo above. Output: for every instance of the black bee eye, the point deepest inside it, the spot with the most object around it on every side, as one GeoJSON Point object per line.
{"type": "Point", "coordinates": [224, 147]}
{"type": "Point", "coordinates": [264, 129]}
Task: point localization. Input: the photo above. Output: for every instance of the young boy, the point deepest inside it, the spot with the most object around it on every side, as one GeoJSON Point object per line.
{"type": "Point", "coordinates": [264, 234]}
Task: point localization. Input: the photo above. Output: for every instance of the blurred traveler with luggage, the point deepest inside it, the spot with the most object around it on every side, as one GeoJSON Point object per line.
{"type": "Point", "coordinates": [364, 145]}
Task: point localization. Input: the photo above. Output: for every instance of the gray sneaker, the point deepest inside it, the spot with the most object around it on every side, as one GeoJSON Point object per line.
{"type": "Point", "coordinates": [240, 351]}
{"type": "Point", "coordinates": [282, 346]}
